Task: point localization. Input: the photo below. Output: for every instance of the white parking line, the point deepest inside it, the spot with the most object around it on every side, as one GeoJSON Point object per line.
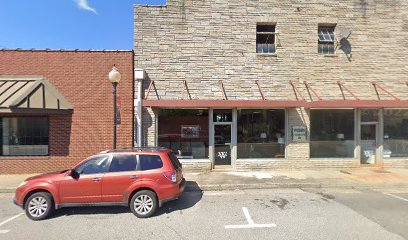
{"type": "Point", "coordinates": [8, 220]}
{"type": "Point", "coordinates": [248, 217]}
{"type": "Point", "coordinates": [250, 224]}
{"type": "Point", "coordinates": [395, 196]}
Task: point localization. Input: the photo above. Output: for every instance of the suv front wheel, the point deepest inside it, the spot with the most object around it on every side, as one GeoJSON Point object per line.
{"type": "Point", "coordinates": [39, 206]}
{"type": "Point", "coordinates": [144, 203]}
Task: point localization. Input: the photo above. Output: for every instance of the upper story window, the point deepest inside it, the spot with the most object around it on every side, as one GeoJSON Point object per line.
{"type": "Point", "coordinates": [326, 39]}
{"type": "Point", "coordinates": [265, 38]}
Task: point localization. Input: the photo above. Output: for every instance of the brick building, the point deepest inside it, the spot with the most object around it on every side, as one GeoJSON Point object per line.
{"type": "Point", "coordinates": [275, 84]}
{"type": "Point", "coordinates": [57, 107]}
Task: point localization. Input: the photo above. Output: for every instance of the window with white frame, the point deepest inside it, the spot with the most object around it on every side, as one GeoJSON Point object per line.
{"type": "Point", "coordinates": [265, 38]}
{"type": "Point", "coordinates": [326, 41]}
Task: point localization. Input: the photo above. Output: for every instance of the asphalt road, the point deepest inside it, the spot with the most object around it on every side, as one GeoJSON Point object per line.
{"type": "Point", "coordinates": [250, 214]}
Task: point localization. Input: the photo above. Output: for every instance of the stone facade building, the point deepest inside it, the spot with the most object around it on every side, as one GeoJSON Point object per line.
{"type": "Point", "coordinates": [275, 84]}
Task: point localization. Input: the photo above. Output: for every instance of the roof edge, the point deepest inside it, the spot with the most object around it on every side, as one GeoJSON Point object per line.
{"type": "Point", "coordinates": [60, 50]}
{"type": "Point", "coordinates": [150, 5]}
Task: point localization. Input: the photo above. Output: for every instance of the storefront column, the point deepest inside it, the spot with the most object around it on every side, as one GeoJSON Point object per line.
{"type": "Point", "coordinates": [357, 130]}
{"type": "Point", "coordinates": [298, 152]}
{"type": "Point", "coordinates": [211, 136]}
{"type": "Point", "coordinates": [380, 135]}
{"type": "Point", "coordinates": [234, 138]}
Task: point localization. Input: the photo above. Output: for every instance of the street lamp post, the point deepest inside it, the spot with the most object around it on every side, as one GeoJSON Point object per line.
{"type": "Point", "coordinates": [114, 77]}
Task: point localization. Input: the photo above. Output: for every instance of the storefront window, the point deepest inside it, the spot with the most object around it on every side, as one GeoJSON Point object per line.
{"type": "Point", "coordinates": [261, 133]}
{"type": "Point", "coordinates": [332, 133]}
{"type": "Point", "coordinates": [24, 136]}
{"type": "Point", "coordinates": [185, 132]}
{"type": "Point", "coordinates": [395, 133]}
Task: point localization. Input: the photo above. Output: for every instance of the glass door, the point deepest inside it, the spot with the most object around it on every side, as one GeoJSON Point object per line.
{"type": "Point", "coordinates": [368, 143]}
{"type": "Point", "coordinates": [222, 144]}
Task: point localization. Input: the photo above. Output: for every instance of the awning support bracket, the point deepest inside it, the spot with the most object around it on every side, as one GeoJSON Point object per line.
{"type": "Point", "coordinates": [260, 90]}
{"type": "Point", "coordinates": [224, 97]}
{"type": "Point", "coordinates": [390, 94]}
{"type": "Point", "coordinates": [313, 91]}
{"type": "Point", "coordinates": [149, 89]}
{"type": "Point", "coordinates": [185, 89]}
{"type": "Point", "coordinates": [341, 85]}
{"type": "Point", "coordinates": [298, 93]}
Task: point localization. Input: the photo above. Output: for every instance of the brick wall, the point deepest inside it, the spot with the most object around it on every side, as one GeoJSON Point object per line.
{"type": "Point", "coordinates": [82, 77]}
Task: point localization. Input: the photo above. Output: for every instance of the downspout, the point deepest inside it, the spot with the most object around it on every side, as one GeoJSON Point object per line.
{"type": "Point", "coordinates": [139, 76]}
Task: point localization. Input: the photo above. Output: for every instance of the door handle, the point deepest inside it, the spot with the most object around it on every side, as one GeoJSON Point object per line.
{"type": "Point", "coordinates": [97, 179]}
{"type": "Point", "coordinates": [134, 177]}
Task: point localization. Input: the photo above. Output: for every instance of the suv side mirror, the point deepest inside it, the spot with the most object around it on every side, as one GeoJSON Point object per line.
{"type": "Point", "coordinates": [74, 174]}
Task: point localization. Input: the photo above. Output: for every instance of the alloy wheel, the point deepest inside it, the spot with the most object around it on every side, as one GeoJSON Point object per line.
{"type": "Point", "coordinates": [143, 204]}
{"type": "Point", "coordinates": [37, 206]}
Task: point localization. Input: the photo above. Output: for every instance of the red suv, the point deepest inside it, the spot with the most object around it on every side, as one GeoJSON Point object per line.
{"type": "Point", "coordinates": [142, 178]}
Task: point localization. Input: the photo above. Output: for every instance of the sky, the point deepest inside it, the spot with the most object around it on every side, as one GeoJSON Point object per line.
{"type": "Point", "coordinates": [68, 24]}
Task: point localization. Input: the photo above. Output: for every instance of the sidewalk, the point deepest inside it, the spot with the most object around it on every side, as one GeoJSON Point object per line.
{"type": "Point", "coordinates": [229, 180]}
{"type": "Point", "coordinates": [322, 178]}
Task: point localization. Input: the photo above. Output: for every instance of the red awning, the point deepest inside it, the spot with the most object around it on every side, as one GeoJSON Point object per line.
{"type": "Point", "coordinates": [315, 101]}
{"type": "Point", "coordinates": [276, 104]}
{"type": "Point", "coordinates": [221, 103]}
{"type": "Point", "coordinates": [358, 104]}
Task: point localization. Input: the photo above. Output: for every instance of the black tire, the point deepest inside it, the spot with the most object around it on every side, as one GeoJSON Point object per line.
{"type": "Point", "coordinates": [149, 207]}
{"type": "Point", "coordinates": [39, 206]}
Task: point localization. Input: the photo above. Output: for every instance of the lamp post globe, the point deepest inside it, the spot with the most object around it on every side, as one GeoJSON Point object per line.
{"type": "Point", "coordinates": [114, 77]}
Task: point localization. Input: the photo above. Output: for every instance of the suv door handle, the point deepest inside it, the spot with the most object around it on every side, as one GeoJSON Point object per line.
{"type": "Point", "coordinates": [97, 179]}
{"type": "Point", "coordinates": [134, 177]}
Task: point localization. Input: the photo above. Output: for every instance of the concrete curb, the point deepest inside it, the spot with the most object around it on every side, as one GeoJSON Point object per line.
{"type": "Point", "coordinates": [7, 190]}
{"type": "Point", "coordinates": [231, 187]}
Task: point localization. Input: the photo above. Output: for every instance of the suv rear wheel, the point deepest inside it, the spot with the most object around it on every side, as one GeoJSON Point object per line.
{"type": "Point", "coordinates": [39, 206]}
{"type": "Point", "coordinates": [144, 203]}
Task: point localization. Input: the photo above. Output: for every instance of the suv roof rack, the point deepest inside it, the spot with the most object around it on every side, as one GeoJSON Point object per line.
{"type": "Point", "coordinates": [136, 149]}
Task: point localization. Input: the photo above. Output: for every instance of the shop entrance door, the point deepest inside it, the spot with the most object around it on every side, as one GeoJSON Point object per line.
{"type": "Point", "coordinates": [222, 143]}
{"type": "Point", "coordinates": [368, 143]}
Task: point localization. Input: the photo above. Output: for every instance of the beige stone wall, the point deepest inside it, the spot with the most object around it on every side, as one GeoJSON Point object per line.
{"type": "Point", "coordinates": [206, 41]}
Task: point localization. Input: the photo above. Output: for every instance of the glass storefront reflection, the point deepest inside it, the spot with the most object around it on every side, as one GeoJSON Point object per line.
{"type": "Point", "coordinates": [184, 131]}
{"type": "Point", "coordinates": [395, 133]}
{"type": "Point", "coordinates": [261, 133]}
{"type": "Point", "coordinates": [332, 133]}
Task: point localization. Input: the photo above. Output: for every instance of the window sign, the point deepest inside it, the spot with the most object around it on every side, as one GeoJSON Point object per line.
{"type": "Point", "coordinates": [190, 131]}
{"type": "Point", "coordinates": [299, 134]}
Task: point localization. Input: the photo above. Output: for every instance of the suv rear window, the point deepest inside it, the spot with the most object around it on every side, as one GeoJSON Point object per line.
{"type": "Point", "coordinates": [149, 162]}
{"type": "Point", "coordinates": [123, 163]}
{"type": "Point", "coordinates": [174, 161]}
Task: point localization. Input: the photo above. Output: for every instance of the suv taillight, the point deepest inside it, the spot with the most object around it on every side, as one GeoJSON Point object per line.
{"type": "Point", "coordinates": [171, 176]}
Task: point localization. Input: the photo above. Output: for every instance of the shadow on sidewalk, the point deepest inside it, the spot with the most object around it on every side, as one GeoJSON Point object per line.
{"type": "Point", "coordinates": [185, 201]}
{"type": "Point", "coordinates": [189, 199]}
